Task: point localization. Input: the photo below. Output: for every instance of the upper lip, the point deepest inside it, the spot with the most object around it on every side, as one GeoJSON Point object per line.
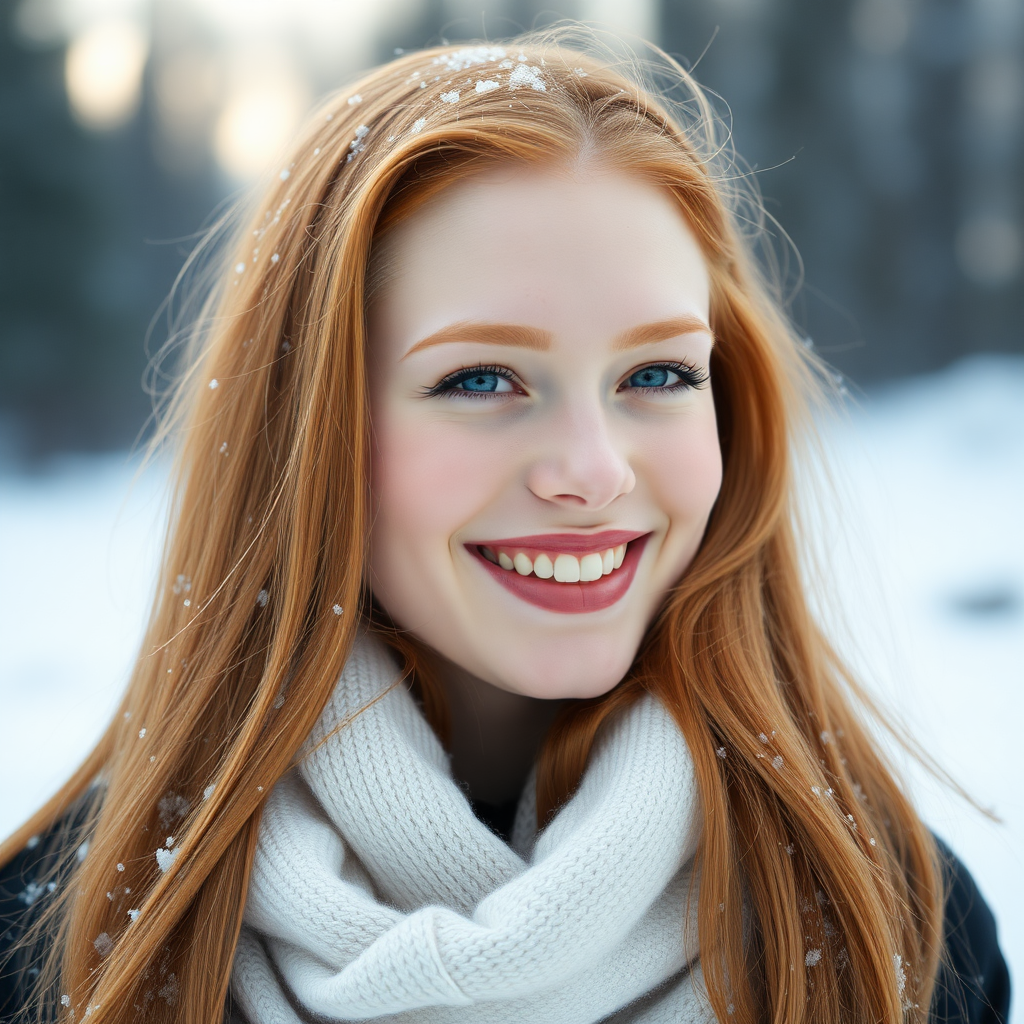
{"type": "Point", "coordinates": [567, 543]}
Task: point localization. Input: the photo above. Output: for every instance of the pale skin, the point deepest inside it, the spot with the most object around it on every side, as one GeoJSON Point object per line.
{"type": "Point", "coordinates": [576, 301]}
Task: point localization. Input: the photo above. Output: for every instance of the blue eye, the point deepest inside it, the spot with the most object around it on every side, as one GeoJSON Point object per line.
{"type": "Point", "coordinates": [475, 382]}
{"type": "Point", "coordinates": [481, 382]}
{"type": "Point", "coordinates": [666, 377]}
{"type": "Point", "coordinates": [650, 377]}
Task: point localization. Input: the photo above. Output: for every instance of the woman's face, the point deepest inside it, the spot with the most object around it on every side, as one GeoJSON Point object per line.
{"type": "Point", "coordinates": [545, 454]}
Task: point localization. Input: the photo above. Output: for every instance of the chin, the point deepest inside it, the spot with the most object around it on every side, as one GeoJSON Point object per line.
{"type": "Point", "coordinates": [565, 672]}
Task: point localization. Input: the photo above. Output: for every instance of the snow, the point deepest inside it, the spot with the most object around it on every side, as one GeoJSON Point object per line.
{"type": "Point", "coordinates": [526, 76]}
{"type": "Point", "coordinates": [165, 858]}
{"type": "Point", "coordinates": [357, 145]}
{"type": "Point", "coordinates": [921, 534]}
{"type": "Point", "coordinates": [469, 56]}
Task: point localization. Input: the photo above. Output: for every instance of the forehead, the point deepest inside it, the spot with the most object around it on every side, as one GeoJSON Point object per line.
{"type": "Point", "coordinates": [552, 247]}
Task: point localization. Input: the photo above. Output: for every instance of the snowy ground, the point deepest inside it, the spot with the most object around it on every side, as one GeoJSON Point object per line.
{"type": "Point", "coordinates": [924, 545]}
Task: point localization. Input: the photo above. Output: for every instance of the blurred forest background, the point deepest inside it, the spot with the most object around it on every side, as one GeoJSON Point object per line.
{"type": "Point", "coordinates": [888, 136]}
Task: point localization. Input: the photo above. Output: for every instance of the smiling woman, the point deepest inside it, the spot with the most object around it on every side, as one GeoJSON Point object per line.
{"type": "Point", "coordinates": [481, 684]}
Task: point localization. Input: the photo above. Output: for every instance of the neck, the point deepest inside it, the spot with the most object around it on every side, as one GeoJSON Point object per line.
{"type": "Point", "coordinates": [495, 735]}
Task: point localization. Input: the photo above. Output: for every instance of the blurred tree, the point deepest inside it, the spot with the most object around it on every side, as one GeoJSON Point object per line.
{"type": "Point", "coordinates": [887, 139]}
{"type": "Point", "coordinates": [80, 275]}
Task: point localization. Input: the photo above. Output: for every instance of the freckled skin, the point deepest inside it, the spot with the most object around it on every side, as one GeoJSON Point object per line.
{"type": "Point", "coordinates": [570, 448]}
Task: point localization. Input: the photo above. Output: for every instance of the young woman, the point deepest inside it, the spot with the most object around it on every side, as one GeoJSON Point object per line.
{"type": "Point", "coordinates": [480, 683]}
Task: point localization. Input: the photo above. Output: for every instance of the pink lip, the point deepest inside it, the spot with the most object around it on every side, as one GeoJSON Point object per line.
{"type": "Point", "coordinates": [568, 598]}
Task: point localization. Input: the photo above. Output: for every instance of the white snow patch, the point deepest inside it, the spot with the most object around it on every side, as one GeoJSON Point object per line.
{"type": "Point", "coordinates": [356, 146]}
{"type": "Point", "coordinates": [524, 75]}
{"type": "Point", "coordinates": [901, 974]}
{"type": "Point", "coordinates": [450, 97]}
{"type": "Point", "coordinates": [488, 85]}
{"type": "Point", "coordinates": [417, 125]}
{"type": "Point", "coordinates": [812, 958]}
{"type": "Point", "coordinates": [165, 858]}
{"type": "Point", "coordinates": [469, 56]}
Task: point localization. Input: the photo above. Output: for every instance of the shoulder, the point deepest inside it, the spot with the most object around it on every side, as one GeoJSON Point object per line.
{"type": "Point", "coordinates": [973, 986]}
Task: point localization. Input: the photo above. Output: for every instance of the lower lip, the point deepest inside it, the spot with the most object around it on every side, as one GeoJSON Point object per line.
{"type": "Point", "coordinates": [570, 598]}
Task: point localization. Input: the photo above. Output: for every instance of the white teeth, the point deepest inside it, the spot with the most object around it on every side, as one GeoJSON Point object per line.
{"type": "Point", "coordinates": [542, 567]}
{"type": "Point", "coordinates": [567, 569]}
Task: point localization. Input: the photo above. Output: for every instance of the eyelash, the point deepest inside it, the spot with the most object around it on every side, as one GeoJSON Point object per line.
{"type": "Point", "coordinates": [690, 378]}
{"type": "Point", "coordinates": [445, 387]}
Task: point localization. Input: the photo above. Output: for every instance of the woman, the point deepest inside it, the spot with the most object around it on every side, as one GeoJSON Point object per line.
{"type": "Point", "coordinates": [480, 683]}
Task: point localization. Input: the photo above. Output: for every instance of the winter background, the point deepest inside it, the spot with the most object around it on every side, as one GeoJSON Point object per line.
{"type": "Point", "coordinates": [886, 135]}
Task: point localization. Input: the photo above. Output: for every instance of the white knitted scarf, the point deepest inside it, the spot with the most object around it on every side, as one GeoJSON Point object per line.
{"type": "Point", "coordinates": [376, 893]}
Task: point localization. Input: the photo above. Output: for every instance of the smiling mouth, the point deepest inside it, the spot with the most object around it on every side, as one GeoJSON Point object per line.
{"type": "Point", "coordinates": [568, 573]}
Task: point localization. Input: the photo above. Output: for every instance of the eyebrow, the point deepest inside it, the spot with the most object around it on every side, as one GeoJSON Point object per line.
{"type": "Point", "coordinates": [662, 330]}
{"type": "Point", "coordinates": [516, 335]}
{"type": "Point", "coordinates": [522, 336]}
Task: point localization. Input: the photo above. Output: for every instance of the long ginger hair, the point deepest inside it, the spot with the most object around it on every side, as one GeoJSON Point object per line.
{"type": "Point", "coordinates": [820, 897]}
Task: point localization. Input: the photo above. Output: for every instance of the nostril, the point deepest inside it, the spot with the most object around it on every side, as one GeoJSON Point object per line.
{"type": "Point", "coordinates": [574, 499]}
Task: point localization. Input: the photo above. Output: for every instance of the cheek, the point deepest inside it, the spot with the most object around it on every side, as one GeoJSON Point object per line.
{"type": "Point", "coordinates": [428, 480]}
{"type": "Point", "coordinates": [683, 467]}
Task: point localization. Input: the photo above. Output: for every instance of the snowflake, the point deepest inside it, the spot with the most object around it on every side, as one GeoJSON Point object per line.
{"type": "Point", "coordinates": [356, 146]}
{"type": "Point", "coordinates": [469, 56]}
{"type": "Point", "coordinates": [526, 76]}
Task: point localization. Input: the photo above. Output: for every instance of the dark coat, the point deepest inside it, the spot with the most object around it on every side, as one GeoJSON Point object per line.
{"type": "Point", "coordinates": [973, 985]}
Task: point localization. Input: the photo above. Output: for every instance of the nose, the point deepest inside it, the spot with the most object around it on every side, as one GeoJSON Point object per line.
{"type": "Point", "coordinates": [581, 467]}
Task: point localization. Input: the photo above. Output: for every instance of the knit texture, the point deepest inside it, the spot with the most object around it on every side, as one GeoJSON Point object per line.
{"type": "Point", "coordinates": [376, 893]}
